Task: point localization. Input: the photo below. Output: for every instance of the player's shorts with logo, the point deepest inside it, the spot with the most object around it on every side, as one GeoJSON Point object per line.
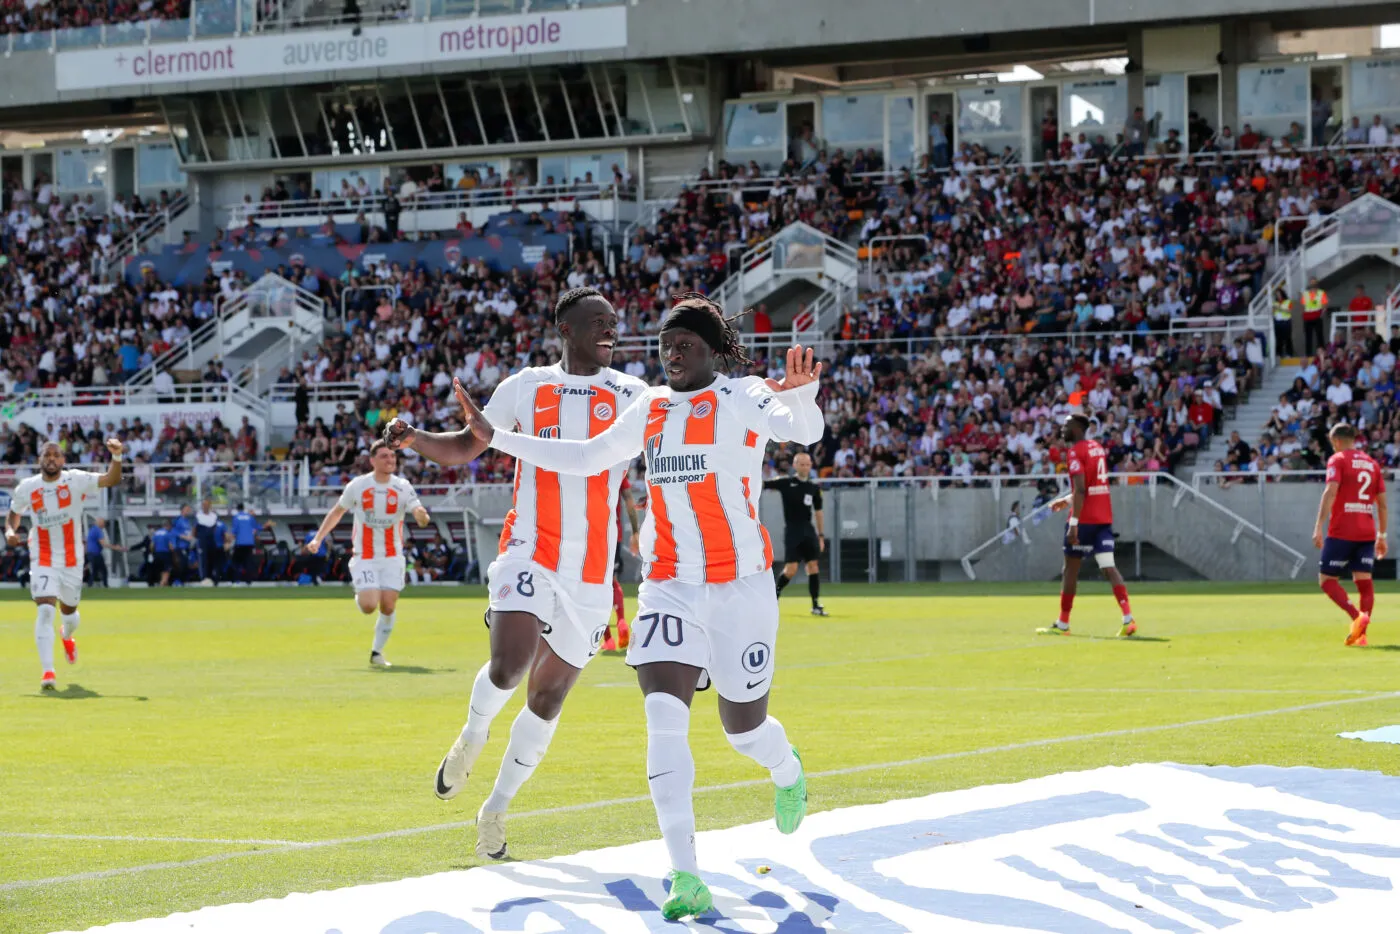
{"type": "Point", "coordinates": [730, 630]}
{"type": "Point", "coordinates": [1093, 540]}
{"type": "Point", "coordinates": [64, 583]}
{"type": "Point", "coordinates": [800, 544]}
{"type": "Point", "coordinates": [575, 615]}
{"type": "Point", "coordinates": [1340, 554]}
{"type": "Point", "coordinates": [377, 573]}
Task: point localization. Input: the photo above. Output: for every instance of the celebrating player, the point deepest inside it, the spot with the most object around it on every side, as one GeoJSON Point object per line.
{"type": "Point", "coordinates": [379, 500]}
{"type": "Point", "coordinates": [551, 586]}
{"type": "Point", "coordinates": [1090, 527]}
{"type": "Point", "coordinates": [54, 501]}
{"type": "Point", "coordinates": [707, 602]}
{"type": "Point", "coordinates": [1353, 505]}
{"type": "Point", "coordinates": [803, 542]}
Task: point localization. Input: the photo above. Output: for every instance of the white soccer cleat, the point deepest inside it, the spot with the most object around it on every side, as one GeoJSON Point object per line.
{"type": "Point", "coordinates": [491, 835]}
{"type": "Point", "coordinates": [456, 768]}
{"type": "Point", "coordinates": [377, 660]}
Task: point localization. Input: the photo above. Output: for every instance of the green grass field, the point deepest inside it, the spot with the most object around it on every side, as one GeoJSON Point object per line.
{"type": "Point", "coordinates": [217, 746]}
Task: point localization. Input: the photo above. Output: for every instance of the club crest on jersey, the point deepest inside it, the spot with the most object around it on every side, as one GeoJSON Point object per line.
{"type": "Point", "coordinates": [701, 410]}
{"type": "Point", "coordinates": [549, 431]}
{"type": "Point", "coordinates": [65, 496]}
{"type": "Point", "coordinates": [602, 412]}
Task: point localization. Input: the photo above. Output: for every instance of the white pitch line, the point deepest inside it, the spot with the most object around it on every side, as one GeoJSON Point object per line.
{"type": "Point", "coordinates": [135, 839]}
{"type": "Point", "coordinates": [728, 786]}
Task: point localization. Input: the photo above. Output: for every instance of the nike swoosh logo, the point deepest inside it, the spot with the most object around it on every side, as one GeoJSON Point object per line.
{"type": "Point", "coordinates": [441, 788]}
{"type": "Point", "coordinates": [545, 409]}
{"type": "Point", "coordinates": [754, 684]}
{"type": "Point", "coordinates": [659, 774]}
{"type": "Point", "coordinates": [525, 766]}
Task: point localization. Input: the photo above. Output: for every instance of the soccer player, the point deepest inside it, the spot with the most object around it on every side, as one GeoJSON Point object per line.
{"type": "Point", "coordinates": [97, 543]}
{"type": "Point", "coordinates": [802, 542]}
{"type": "Point", "coordinates": [707, 603]}
{"type": "Point", "coordinates": [1090, 527]}
{"type": "Point", "coordinates": [1354, 508]}
{"type": "Point", "coordinates": [379, 501]}
{"type": "Point", "coordinates": [54, 501]}
{"type": "Point", "coordinates": [624, 633]}
{"type": "Point", "coordinates": [551, 585]}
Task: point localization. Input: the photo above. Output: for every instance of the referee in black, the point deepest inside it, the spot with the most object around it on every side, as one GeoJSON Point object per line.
{"type": "Point", "coordinates": [803, 542]}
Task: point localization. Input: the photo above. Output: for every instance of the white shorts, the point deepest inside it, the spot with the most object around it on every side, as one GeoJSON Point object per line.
{"type": "Point", "coordinates": [730, 630]}
{"type": "Point", "coordinates": [573, 624]}
{"type": "Point", "coordinates": [377, 573]}
{"type": "Point", "coordinates": [64, 583]}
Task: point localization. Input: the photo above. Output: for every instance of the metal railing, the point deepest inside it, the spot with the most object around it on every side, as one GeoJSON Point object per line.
{"type": "Point", "coordinates": [1237, 477]}
{"type": "Point", "coordinates": [112, 264]}
{"type": "Point", "coordinates": [534, 197]}
{"type": "Point", "coordinates": [797, 251]}
{"type": "Point", "coordinates": [1152, 480]}
{"type": "Point", "coordinates": [179, 394]}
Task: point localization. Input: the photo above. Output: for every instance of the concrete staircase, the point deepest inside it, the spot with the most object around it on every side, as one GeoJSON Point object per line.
{"type": "Point", "coordinates": [1250, 417]}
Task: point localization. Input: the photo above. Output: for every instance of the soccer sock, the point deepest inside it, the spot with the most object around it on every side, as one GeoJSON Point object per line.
{"type": "Point", "coordinates": [383, 629]}
{"type": "Point", "coordinates": [1120, 593]}
{"type": "Point", "coordinates": [783, 581]}
{"type": "Point", "coordinates": [1333, 588]}
{"type": "Point", "coordinates": [487, 701]}
{"type": "Point", "coordinates": [69, 622]}
{"type": "Point", "coordinates": [671, 776]}
{"type": "Point", "coordinates": [529, 739]}
{"type": "Point", "coordinates": [618, 603]}
{"type": "Point", "coordinates": [814, 587]}
{"type": "Point", "coordinates": [1066, 604]}
{"type": "Point", "coordinates": [769, 747]}
{"type": "Point", "coordinates": [1367, 590]}
{"type": "Point", "coordinates": [43, 634]}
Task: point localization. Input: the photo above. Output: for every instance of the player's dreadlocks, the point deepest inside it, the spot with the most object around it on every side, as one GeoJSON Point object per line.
{"type": "Point", "coordinates": [571, 298]}
{"type": "Point", "coordinates": [695, 312]}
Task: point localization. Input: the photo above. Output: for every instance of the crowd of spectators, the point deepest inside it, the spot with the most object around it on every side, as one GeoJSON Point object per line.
{"type": "Point", "coordinates": [1352, 381]}
{"type": "Point", "coordinates": [21, 17]}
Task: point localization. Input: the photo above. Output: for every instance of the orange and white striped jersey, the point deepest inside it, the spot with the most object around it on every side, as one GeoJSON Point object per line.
{"type": "Point", "coordinates": [704, 456]}
{"type": "Point", "coordinates": [564, 523]}
{"type": "Point", "coordinates": [379, 510]}
{"type": "Point", "coordinates": [55, 512]}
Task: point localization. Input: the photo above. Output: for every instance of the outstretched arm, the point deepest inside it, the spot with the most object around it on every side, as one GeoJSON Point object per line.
{"type": "Point", "coordinates": [448, 448]}
{"type": "Point", "coordinates": [788, 411]}
{"type": "Point", "coordinates": [330, 522]}
{"type": "Point", "coordinates": [113, 476]}
{"type": "Point", "coordinates": [619, 444]}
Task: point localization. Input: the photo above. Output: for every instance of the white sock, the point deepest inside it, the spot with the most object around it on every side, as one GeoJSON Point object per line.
{"type": "Point", "coordinates": [383, 629]}
{"type": "Point", "coordinates": [69, 622]}
{"type": "Point", "coordinates": [769, 747]}
{"type": "Point", "coordinates": [529, 740]}
{"type": "Point", "coordinates": [43, 634]}
{"type": "Point", "coordinates": [671, 776]}
{"type": "Point", "coordinates": [487, 701]}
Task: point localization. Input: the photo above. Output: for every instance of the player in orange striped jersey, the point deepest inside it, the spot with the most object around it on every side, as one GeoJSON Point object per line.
{"type": "Point", "coordinates": [379, 500]}
{"type": "Point", "coordinates": [707, 601]}
{"type": "Point", "coordinates": [551, 585]}
{"type": "Point", "coordinates": [54, 502]}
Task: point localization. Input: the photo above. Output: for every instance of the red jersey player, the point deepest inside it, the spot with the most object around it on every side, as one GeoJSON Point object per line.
{"type": "Point", "coordinates": [1090, 527]}
{"type": "Point", "coordinates": [1353, 505]}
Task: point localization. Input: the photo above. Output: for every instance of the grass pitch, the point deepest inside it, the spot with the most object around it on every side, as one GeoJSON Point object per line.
{"type": "Point", "coordinates": [222, 746]}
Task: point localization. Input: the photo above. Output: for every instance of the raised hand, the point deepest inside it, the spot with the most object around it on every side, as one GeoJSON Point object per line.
{"type": "Point", "coordinates": [115, 447]}
{"type": "Point", "coordinates": [472, 417]}
{"type": "Point", "coordinates": [398, 434]}
{"type": "Point", "coordinates": [802, 369]}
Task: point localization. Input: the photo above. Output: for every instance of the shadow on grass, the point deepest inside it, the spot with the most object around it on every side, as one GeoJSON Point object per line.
{"type": "Point", "coordinates": [78, 692]}
{"type": "Point", "coordinates": [412, 670]}
{"type": "Point", "coordinates": [1126, 640]}
{"type": "Point", "coordinates": [1384, 648]}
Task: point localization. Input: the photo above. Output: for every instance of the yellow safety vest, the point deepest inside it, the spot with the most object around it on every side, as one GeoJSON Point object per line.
{"type": "Point", "coordinates": [1283, 311]}
{"type": "Point", "coordinates": [1314, 300]}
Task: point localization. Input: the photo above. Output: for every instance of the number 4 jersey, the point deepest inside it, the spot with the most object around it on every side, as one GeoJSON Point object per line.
{"type": "Point", "coordinates": [1087, 458]}
{"type": "Point", "coordinates": [1359, 481]}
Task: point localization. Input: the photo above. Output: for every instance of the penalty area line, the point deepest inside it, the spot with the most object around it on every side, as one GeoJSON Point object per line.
{"type": "Point", "coordinates": [706, 789]}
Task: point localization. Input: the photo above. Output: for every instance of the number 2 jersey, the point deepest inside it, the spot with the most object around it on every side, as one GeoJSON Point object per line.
{"type": "Point", "coordinates": [379, 510]}
{"type": "Point", "coordinates": [1087, 458]}
{"type": "Point", "coordinates": [704, 457]}
{"type": "Point", "coordinates": [564, 523]}
{"type": "Point", "coordinates": [1359, 481]}
{"type": "Point", "coordinates": [55, 511]}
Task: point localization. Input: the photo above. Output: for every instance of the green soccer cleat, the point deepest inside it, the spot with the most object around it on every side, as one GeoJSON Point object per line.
{"type": "Point", "coordinates": [689, 897]}
{"type": "Point", "coordinates": [790, 803]}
